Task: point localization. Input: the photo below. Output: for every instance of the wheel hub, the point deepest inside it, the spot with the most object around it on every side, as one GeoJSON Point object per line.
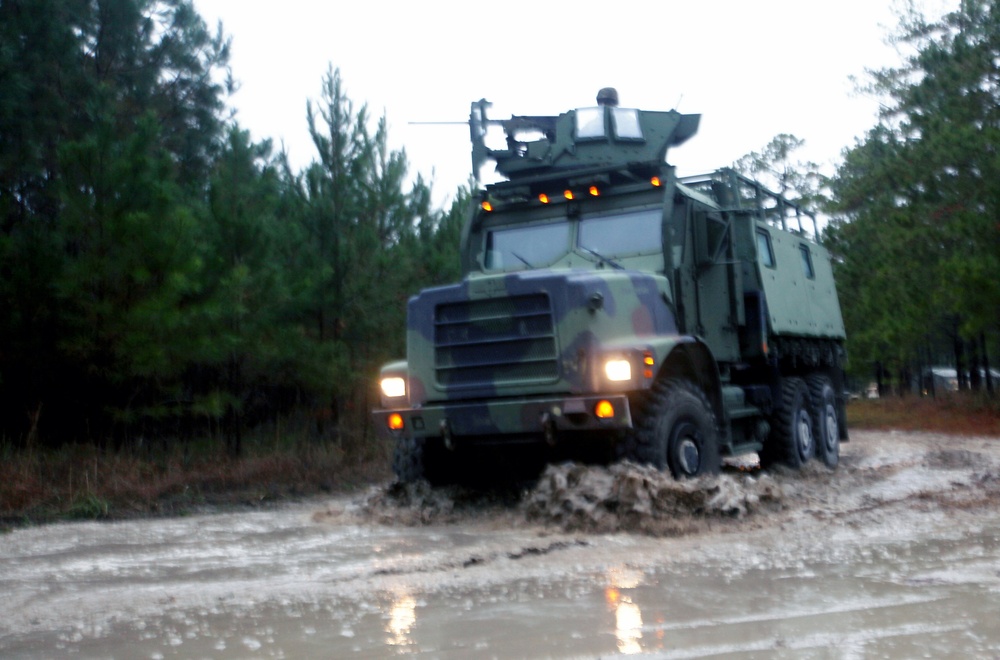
{"type": "Point", "coordinates": [805, 434]}
{"type": "Point", "coordinates": [832, 430]}
{"type": "Point", "coordinates": [690, 456]}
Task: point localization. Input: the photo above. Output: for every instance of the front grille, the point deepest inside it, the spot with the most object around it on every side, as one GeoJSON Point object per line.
{"type": "Point", "coordinates": [495, 341]}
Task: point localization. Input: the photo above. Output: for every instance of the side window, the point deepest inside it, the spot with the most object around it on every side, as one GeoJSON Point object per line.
{"type": "Point", "coordinates": [807, 262]}
{"type": "Point", "coordinates": [765, 253]}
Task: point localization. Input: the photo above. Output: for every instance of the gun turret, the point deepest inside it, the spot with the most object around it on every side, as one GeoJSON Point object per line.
{"type": "Point", "coordinates": [602, 136]}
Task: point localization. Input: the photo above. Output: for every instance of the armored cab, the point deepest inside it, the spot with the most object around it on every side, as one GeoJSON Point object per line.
{"type": "Point", "coordinates": [604, 300]}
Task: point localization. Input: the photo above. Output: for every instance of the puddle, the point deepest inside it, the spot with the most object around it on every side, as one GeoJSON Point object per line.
{"type": "Point", "coordinates": [895, 555]}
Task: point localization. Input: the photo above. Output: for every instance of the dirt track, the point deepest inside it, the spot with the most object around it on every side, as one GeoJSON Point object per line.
{"type": "Point", "coordinates": [896, 554]}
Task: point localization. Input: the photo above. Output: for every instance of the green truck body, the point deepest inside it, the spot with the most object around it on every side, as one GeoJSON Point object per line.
{"type": "Point", "coordinates": [673, 320]}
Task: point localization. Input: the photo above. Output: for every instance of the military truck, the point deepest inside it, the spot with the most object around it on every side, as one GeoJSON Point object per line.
{"type": "Point", "coordinates": [675, 321]}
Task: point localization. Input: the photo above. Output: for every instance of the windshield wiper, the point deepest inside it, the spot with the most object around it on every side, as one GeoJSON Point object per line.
{"type": "Point", "coordinates": [522, 259]}
{"type": "Point", "coordinates": [604, 260]}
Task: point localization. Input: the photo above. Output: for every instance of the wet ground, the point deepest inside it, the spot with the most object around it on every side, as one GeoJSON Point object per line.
{"type": "Point", "coordinates": [895, 555]}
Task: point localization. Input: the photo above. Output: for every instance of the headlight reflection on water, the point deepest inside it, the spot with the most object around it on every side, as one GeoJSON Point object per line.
{"type": "Point", "coordinates": [628, 616]}
{"type": "Point", "coordinates": [628, 626]}
{"type": "Point", "coordinates": [402, 617]}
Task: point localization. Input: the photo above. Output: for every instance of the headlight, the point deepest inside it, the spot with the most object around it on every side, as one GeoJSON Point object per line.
{"type": "Point", "coordinates": [618, 370]}
{"type": "Point", "coordinates": [393, 387]}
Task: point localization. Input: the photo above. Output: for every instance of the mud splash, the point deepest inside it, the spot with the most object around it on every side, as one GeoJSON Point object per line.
{"type": "Point", "coordinates": [570, 497]}
{"type": "Point", "coordinates": [419, 503]}
{"type": "Point", "coordinates": [410, 504]}
{"type": "Point", "coordinates": [636, 498]}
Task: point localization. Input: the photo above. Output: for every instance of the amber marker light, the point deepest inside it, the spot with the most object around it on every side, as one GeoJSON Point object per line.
{"type": "Point", "coordinates": [568, 194]}
{"type": "Point", "coordinates": [594, 192]}
{"type": "Point", "coordinates": [543, 198]}
{"type": "Point", "coordinates": [604, 409]}
{"type": "Point", "coordinates": [487, 206]}
{"type": "Point", "coordinates": [648, 362]}
{"type": "Point", "coordinates": [655, 181]}
{"type": "Point", "coordinates": [395, 422]}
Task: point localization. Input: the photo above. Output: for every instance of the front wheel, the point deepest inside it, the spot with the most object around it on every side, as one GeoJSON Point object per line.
{"type": "Point", "coordinates": [426, 459]}
{"type": "Point", "coordinates": [679, 431]}
{"type": "Point", "coordinates": [408, 459]}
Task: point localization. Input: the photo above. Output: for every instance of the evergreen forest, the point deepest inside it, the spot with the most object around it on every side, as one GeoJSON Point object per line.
{"type": "Point", "coordinates": [165, 277]}
{"type": "Point", "coordinates": [916, 203]}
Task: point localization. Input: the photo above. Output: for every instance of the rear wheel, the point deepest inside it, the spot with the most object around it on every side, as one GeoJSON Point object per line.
{"type": "Point", "coordinates": [827, 434]}
{"type": "Point", "coordinates": [678, 431]}
{"type": "Point", "coordinates": [791, 442]}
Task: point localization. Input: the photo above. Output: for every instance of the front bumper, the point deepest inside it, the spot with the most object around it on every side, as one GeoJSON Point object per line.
{"type": "Point", "coordinates": [536, 415]}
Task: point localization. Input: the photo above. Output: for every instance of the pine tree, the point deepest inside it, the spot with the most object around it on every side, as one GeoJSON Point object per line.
{"type": "Point", "coordinates": [918, 231]}
{"type": "Point", "coordinates": [773, 166]}
{"type": "Point", "coordinates": [110, 116]}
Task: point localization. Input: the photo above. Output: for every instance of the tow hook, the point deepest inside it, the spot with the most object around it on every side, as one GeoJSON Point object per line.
{"type": "Point", "coordinates": [446, 435]}
{"type": "Point", "coordinates": [549, 428]}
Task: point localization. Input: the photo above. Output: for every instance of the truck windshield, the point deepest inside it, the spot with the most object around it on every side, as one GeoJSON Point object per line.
{"type": "Point", "coordinates": [531, 246]}
{"type": "Point", "coordinates": [623, 234]}
{"type": "Point", "coordinates": [610, 236]}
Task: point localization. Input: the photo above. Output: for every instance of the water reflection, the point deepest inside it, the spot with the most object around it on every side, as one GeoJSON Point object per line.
{"type": "Point", "coordinates": [628, 616]}
{"type": "Point", "coordinates": [402, 616]}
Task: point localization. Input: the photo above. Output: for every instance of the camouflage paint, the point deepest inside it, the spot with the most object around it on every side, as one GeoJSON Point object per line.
{"type": "Point", "coordinates": [589, 317]}
{"type": "Point", "coordinates": [520, 354]}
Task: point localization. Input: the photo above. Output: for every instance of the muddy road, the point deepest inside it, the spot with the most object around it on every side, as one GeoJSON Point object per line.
{"type": "Point", "coordinates": [895, 555]}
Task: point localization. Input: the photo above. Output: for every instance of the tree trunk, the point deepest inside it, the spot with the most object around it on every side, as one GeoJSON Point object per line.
{"type": "Point", "coordinates": [905, 381]}
{"type": "Point", "coordinates": [986, 363]}
{"type": "Point", "coordinates": [931, 386]}
{"type": "Point", "coordinates": [959, 345]}
{"type": "Point", "coordinates": [975, 375]}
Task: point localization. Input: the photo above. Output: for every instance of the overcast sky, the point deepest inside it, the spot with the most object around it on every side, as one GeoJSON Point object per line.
{"type": "Point", "coordinates": [752, 69]}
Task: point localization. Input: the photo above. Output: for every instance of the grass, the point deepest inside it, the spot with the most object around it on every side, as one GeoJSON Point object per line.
{"type": "Point", "coordinates": [83, 482]}
{"type": "Point", "coordinates": [955, 414]}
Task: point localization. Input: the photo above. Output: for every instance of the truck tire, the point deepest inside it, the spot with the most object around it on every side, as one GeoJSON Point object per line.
{"type": "Point", "coordinates": [791, 442]}
{"type": "Point", "coordinates": [827, 434]}
{"type": "Point", "coordinates": [408, 460]}
{"type": "Point", "coordinates": [424, 458]}
{"type": "Point", "coordinates": [679, 431]}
